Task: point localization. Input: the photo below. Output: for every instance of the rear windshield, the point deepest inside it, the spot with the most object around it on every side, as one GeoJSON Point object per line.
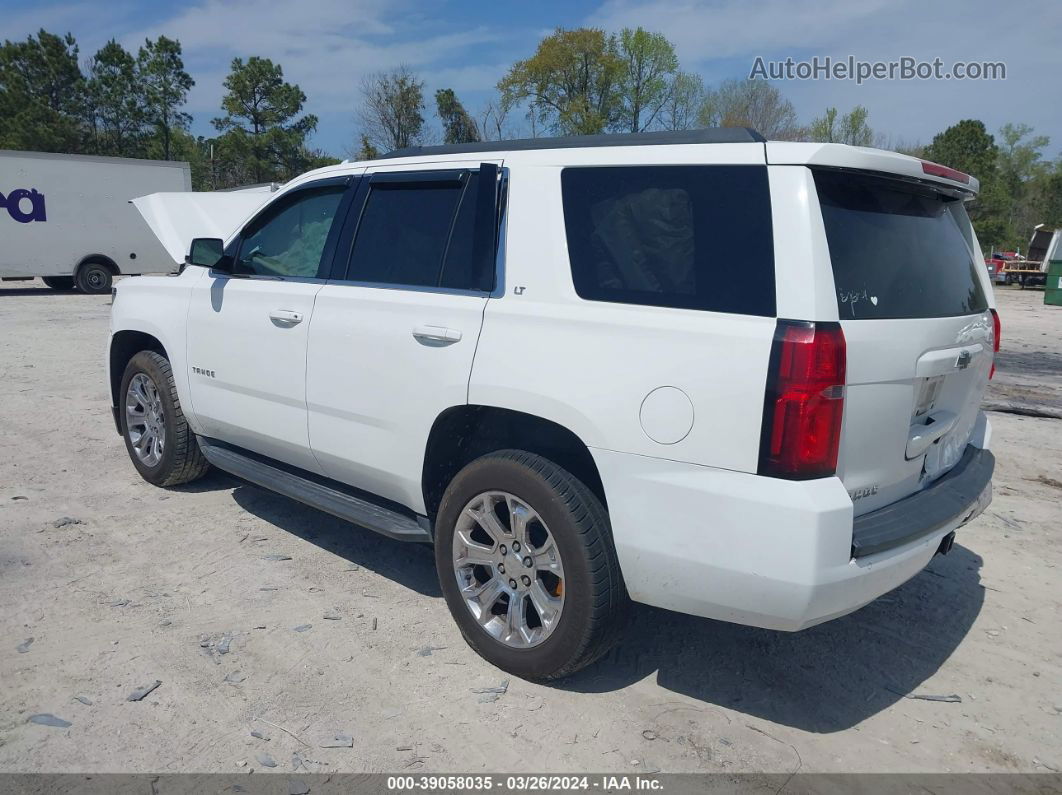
{"type": "Point", "coordinates": [897, 249]}
{"type": "Point", "coordinates": [690, 237]}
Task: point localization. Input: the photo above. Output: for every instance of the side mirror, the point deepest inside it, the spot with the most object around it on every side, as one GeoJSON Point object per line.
{"type": "Point", "coordinates": [209, 252]}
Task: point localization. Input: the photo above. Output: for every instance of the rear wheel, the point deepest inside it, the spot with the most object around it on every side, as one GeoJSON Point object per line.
{"type": "Point", "coordinates": [161, 446]}
{"type": "Point", "coordinates": [527, 566]}
{"type": "Point", "coordinates": [94, 278]}
{"type": "Point", "coordinates": [59, 282]}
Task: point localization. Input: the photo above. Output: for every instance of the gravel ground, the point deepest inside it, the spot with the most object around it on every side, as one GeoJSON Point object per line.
{"type": "Point", "coordinates": [108, 585]}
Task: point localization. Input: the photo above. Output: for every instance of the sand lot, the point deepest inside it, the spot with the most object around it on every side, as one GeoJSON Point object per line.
{"type": "Point", "coordinates": [120, 584]}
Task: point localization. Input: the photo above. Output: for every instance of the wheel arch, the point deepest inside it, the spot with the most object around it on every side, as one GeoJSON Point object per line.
{"type": "Point", "coordinates": [126, 344]}
{"type": "Point", "coordinates": [98, 259]}
{"type": "Point", "coordinates": [463, 433]}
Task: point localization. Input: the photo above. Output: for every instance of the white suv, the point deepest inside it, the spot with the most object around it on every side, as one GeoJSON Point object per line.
{"type": "Point", "coordinates": [730, 377]}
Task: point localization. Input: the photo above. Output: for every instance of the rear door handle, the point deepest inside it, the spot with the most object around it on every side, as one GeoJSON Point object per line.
{"type": "Point", "coordinates": [436, 335]}
{"type": "Point", "coordinates": [286, 317]}
{"type": "Point", "coordinates": [920, 437]}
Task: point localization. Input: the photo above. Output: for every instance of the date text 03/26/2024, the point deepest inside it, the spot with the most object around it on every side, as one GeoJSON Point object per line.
{"type": "Point", "coordinates": [524, 783]}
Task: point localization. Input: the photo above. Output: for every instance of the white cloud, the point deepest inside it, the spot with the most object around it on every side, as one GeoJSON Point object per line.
{"type": "Point", "coordinates": [704, 30]}
{"type": "Point", "coordinates": [325, 46]}
{"type": "Point", "coordinates": [473, 77]}
{"type": "Point", "coordinates": [59, 19]}
{"type": "Point", "coordinates": [721, 38]}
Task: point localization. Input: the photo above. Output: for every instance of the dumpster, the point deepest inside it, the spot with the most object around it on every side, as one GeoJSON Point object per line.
{"type": "Point", "coordinates": [1053, 291]}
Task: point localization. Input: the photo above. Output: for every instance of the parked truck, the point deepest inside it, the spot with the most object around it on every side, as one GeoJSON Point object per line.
{"type": "Point", "coordinates": [67, 218]}
{"type": "Point", "coordinates": [1031, 270]}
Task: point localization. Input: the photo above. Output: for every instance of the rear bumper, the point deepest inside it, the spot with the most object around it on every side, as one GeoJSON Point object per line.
{"type": "Point", "coordinates": [752, 550]}
{"type": "Point", "coordinates": [951, 500]}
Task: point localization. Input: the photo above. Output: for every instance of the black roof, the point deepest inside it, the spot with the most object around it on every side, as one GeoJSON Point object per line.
{"type": "Point", "coordinates": [708, 135]}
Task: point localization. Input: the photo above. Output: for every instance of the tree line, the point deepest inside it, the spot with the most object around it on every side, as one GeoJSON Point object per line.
{"type": "Point", "coordinates": [129, 104]}
{"type": "Point", "coordinates": [587, 81]}
{"type": "Point", "coordinates": [1019, 187]}
{"type": "Point", "coordinates": [577, 82]}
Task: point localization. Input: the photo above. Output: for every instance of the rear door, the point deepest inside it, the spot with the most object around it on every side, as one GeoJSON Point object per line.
{"type": "Point", "coordinates": [912, 298]}
{"type": "Point", "coordinates": [394, 333]}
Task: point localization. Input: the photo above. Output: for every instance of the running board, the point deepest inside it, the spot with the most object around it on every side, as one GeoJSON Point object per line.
{"type": "Point", "coordinates": [355, 510]}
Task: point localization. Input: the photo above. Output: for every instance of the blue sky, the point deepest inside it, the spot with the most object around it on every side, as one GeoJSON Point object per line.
{"type": "Point", "coordinates": [327, 46]}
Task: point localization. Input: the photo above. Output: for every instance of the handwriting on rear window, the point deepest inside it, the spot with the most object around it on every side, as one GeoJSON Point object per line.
{"type": "Point", "coordinates": [853, 297]}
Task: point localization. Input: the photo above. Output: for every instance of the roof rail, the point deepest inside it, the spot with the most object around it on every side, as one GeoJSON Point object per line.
{"type": "Point", "coordinates": [708, 135]}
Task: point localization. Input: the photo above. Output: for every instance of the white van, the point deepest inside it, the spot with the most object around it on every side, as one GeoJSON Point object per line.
{"type": "Point", "coordinates": [68, 220]}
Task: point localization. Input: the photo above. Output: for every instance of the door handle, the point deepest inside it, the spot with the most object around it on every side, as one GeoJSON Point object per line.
{"type": "Point", "coordinates": [436, 335]}
{"type": "Point", "coordinates": [285, 317]}
{"type": "Point", "coordinates": [920, 437]}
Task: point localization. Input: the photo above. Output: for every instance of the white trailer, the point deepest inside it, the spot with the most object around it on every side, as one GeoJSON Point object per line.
{"type": "Point", "coordinates": [68, 218]}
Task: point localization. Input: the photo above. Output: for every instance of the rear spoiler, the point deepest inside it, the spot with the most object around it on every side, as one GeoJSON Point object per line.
{"type": "Point", "coordinates": [862, 158]}
{"type": "Point", "coordinates": [178, 218]}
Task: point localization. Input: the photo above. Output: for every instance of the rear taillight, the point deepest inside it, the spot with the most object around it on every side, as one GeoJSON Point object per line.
{"type": "Point", "coordinates": [804, 401]}
{"type": "Point", "coordinates": [996, 329]}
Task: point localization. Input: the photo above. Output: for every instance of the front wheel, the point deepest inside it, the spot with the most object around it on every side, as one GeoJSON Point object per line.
{"type": "Point", "coordinates": [162, 447]}
{"type": "Point", "coordinates": [527, 566]}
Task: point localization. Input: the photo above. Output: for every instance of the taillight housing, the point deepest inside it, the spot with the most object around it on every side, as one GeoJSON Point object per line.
{"type": "Point", "coordinates": [996, 329]}
{"type": "Point", "coordinates": [804, 401]}
{"type": "Point", "coordinates": [937, 170]}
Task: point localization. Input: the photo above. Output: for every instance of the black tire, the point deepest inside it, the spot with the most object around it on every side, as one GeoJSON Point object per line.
{"type": "Point", "coordinates": [181, 460]}
{"type": "Point", "coordinates": [595, 599]}
{"type": "Point", "coordinates": [59, 282]}
{"type": "Point", "coordinates": [94, 278]}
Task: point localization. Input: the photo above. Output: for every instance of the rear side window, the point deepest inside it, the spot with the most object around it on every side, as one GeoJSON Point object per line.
{"type": "Point", "coordinates": [419, 234]}
{"type": "Point", "coordinates": [403, 233]}
{"type": "Point", "coordinates": [460, 270]}
{"type": "Point", "coordinates": [690, 237]}
{"type": "Point", "coordinates": [897, 249]}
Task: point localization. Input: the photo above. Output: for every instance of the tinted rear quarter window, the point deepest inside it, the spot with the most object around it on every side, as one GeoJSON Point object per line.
{"type": "Point", "coordinates": [897, 249]}
{"type": "Point", "coordinates": [690, 237]}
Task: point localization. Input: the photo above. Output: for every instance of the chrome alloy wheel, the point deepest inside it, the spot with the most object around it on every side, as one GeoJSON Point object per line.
{"type": "Point", "coordinates": [145, 419]}
{"type": "Point", "coordinates": [508, 569]}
